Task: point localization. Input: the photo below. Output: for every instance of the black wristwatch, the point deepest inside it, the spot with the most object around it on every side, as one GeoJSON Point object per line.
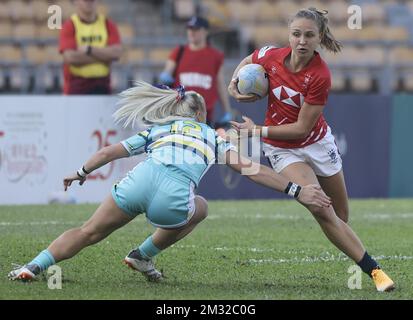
{"type": "Point", "coordinates": [89, 50]}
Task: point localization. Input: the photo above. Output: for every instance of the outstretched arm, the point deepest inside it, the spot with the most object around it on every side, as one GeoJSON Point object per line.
{"type": "Point", "coordinates": [307, 118]}
{"type": "Point", "coordinates": [307, 195]}
{"type": "Point", "coordinates": [99, 159]}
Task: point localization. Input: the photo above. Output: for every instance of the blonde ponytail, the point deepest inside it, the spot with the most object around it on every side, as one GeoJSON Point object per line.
{"type": "Point", "coordinates": [149, 105]}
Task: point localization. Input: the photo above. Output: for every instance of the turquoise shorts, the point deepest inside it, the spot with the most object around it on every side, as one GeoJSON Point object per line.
{"type": "Point", "coordinates": [167, 197]}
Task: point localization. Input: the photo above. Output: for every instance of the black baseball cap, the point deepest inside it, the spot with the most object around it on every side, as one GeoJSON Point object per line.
{"type": "Point", "coordinates": [197, 23]}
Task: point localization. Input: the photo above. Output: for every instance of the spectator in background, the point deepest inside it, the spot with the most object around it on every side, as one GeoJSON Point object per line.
{"type": "Point", "coordinates": [89, 42]}
{"type": "Point", "coordinates": [198, 67]}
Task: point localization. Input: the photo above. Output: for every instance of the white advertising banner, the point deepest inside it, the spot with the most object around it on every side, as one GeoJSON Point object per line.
{"type": "Point", "coordinates": [45, 138]}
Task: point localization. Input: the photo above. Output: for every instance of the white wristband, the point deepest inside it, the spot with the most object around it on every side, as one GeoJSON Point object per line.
{"type": "Point", "coordinates": [264, 132]}
{"type": "Point", "coordinates": [292, 190]}
{"type": "Point", "coordinates": [81, 173]}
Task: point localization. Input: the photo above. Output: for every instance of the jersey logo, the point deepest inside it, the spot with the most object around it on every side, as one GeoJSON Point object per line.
{"type": "Point", "coordinates": [289, 96]}
{"type": "Point", "coordinates": [195, 79]}
{"type": "Point", "coordinates": [264, 50]}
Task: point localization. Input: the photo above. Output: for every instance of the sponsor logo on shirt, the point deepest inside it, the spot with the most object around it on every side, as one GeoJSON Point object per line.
{"type": "Point", "coordinates": [263, 51]}
{"type": "Point", "coordinates": [194, 79]}
{"type": "Point", "coordinates": [289, 96]}
{"type": "Point", "coordinates": [307, 78]}
{"type": "Point", "coordinates": [273, 69]}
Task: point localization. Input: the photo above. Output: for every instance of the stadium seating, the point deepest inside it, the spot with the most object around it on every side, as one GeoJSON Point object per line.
{"type": "Point", "coordinates": [5, 29]}
{"type": "Point", "coordinates": [384, 41]}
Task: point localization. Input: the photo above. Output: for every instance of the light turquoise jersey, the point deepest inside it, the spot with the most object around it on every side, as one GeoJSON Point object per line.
{"type": "Point", "coordinates": [185, 146]}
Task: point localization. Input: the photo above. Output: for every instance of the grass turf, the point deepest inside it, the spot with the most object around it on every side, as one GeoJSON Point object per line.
{"type": "Point", "coordinates": [243, 250]}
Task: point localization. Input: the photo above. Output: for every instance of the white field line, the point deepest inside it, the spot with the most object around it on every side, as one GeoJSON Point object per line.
{"type": "Point", "coordinates": [38, 223]}
{"type": "Point", "coordinates": [307, 259]}
{"type": "Point", "coordinates": [366, 216]}
{"type": "Point", "coordinates": [324, 257]}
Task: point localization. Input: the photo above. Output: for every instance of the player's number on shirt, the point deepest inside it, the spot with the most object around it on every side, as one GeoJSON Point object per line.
{"type": "Point", "coordinates": [187, 128]}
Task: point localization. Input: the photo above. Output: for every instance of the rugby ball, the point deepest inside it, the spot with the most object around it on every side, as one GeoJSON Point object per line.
{"type": "Point", "coordinates": [252, 78]}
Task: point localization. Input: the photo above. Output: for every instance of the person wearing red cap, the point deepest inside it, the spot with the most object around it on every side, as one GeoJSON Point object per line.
{"type": "Point", "coordinates": [198, 67]}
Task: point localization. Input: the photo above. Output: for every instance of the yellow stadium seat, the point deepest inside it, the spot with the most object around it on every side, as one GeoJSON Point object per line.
{"type": "Point", "coordinates": [337, 11]}
{"type": "Point", "coordinates": [184, 9]}
{"type": "Point", "coordinates": [20, 10]}
{"type": "Point", "coordinates": [338, 80]}
{"type": "Point", "coordinates": [25, 30]}
{"type": "Point", "coordinates": [159, 55]}
{"type": "Point", "coordinates": [40, 8]}
{"type": "Point", "coordinates": [269, 11]}
{"type": "Point", "coordinates": [372, 56]}
{"type": "Point", "coordinates": [124, 56]}
{"type": "Point", "coordinates": [401, 55]}
{"type": "Point", "coordinates": [361, 81]}
{"type": "Point", "coordinates": [67, 8]}
{"type": "Point", "coordinates": [373, 12]}
{"type": "Point", "coordinates": [243, 10]}
{"type": "Point", "coordinates": [4, 11]}
{"type": "Point", "coordinates": [126, 32]}
{"type": "Point", "coordinates": [372, 32]}
{"type": "Point", "coordinates": [381, 32]}
{"type": "Point", "coordinates": [10, 54]}
{"type": "Point", "coordinates": [35, 54]}
{"type": "Point", "coordinates": [5, 29]}
{"type": "Point", "coordinates": [44, 32]}
{"type": "Point", "coordinates": [287, 9]}
{"type": "Point", "coordinates": [395, 33]}
{"type": "Point", "coordinates": [53, 55]}
{"type": "Point", "coordinates": [103, 9]}
{"type": "Point", "coordinates": [343, 33]}
{"type": "Point", "coordinates": [216, 11]}
{"type": "Point", "coordinates": [269, 34]}
{"type": "Point", "coordinates": [133, 56]}
{"type": "Point", "coordinates": [348, 56]}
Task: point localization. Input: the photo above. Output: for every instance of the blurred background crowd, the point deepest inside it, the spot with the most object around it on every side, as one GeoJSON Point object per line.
{"type": "Point", "coordinates": [377, 58]}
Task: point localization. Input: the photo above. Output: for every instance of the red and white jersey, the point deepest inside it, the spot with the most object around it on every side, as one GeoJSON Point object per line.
{"type": "Point", "coordinates": [198, 70]}
{"type": "Point", "coordinates": [288, 91]}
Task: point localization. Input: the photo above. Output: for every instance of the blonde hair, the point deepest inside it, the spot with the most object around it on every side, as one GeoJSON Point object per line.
{"type": "Point", "coordinates": [320, 17]}
{"type": "Point", "coordinates": [149, 105]}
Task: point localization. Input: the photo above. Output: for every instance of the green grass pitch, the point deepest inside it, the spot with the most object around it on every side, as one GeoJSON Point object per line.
{"type": "Point", "coordinates": [243, 250]}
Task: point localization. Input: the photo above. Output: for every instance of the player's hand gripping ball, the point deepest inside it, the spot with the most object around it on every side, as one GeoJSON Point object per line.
{"type": "Point", "coordinates": [253, 79]}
